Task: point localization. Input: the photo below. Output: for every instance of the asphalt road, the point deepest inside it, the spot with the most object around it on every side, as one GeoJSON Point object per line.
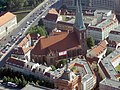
{"type": "Point", "coordinates": [30, 20]}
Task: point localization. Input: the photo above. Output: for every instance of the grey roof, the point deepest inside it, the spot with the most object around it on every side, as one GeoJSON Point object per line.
{"type": "Point", "coordinates": [108, 65]}
{"type": "Point", "coordinates": [117, 28]}
{"type": "Point", "coordinates": [111, 83]}
{"type": "Point", "coordinates": [68, 75]}
{"type": "Point", "coordinates": [32, 87]}
{"type": "Point", "coordinates": [87, 68]}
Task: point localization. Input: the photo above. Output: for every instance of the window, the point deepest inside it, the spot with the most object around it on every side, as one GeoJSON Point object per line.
{"type": "Point", "coordinates": [82, 35]}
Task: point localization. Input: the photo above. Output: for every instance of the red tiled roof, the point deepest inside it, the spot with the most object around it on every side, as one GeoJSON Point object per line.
{"type": "Point", "coordinates": [51, 17]}
{"type": "Point", "coordinates": [6, 17]}
{"type": "Point", "coordinates": [56, 43]}
{"type": "Point", "coordinates": [53, 11]}
{"type": "Point", "coordinates": [12, 60]}
{"type": "Point", "coordinates": [20, 50]}
{"type": "Point", "coordinates": [99, 48]}
{"type": "Point", "coordinates": [24, 41]}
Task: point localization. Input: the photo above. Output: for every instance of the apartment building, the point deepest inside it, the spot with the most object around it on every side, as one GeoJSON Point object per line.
{"type": "Point", "coordinates": [109, 84]}
{"type": "Point", "coordinates": [88, 78]}
{"type": "Point", "coordinates": [98, 51]}
{"type": "Point", "coordinates": [8, 22]}
{"type": "Point", "coordinates": [108, 64]}
{"type": "Point", "coordinates": [71, 4]}
{"type": "Point", "coordinates": [106, 21]}
{"type": "Point", "coordinates": [94, 4]}
{"type": "Point", "coordinates": [106, 4]}
{"type": "Point", "coordinates": [115, 34]}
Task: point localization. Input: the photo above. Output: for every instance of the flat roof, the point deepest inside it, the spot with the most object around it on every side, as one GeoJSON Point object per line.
{"type": "Point", "coordinates": [108, 65]}
{"type": "Point", "coordinates": [87, 68]}
{"type": "Point", "coordinates": [86, 19]}
{"type": "Point", "coordinates": [103, 11]}
{"type": "Point", "coordinates": [116, 30]}
{"type": "Point", "coordinates": [111, 83]}
{"type": "Point", "coordinates": [104, 23]}
{"type": "Point", "coordinates": [57, 73]}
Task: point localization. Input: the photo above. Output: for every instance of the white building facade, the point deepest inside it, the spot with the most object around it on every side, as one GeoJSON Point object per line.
{"type": "Point", "coordinates": [8, 22]}
{"type": "Point", "coordinates": [101, 30]}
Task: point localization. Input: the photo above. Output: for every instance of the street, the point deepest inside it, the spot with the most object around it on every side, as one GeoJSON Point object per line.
{"type": "Point", "coordinates": [30, 20]}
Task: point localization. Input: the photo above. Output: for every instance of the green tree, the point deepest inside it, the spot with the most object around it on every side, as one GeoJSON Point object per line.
{"type": "Point", "coordinates": [90, 42]}
{"type": "Point", "coordinates": [15, 4]}
{"type": "Point", "coordinates": [53, 67]}
{"type": "Point", "coordinates": [24, 82]}
{"type": "Point", "coordinates": [73, 69]}
{"type": "Point", "coordinates": [11, 80]}
{"type": "Point", "coordinates": [4, 79]}
{"type": "Point", "coordinates": [20, 81]}
{"type": "Point", "coordinates": [16, 80]}
{"type": "Point", "coordinates": [63, 62]}
{"type": "Point", "coordinates": [38, 30]}
{"type": "Point", "coordinates": [8, 79]}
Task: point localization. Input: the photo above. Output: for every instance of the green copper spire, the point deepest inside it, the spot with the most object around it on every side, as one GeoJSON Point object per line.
{"type": "Point", "coordinates": [79, 24]}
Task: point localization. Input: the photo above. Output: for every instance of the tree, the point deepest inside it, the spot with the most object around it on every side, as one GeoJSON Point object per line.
{"type": "Point", "coordinates": [90, 42]}
{"type": "Point", "coordinates": [11, 80]}
{"type": "Point", "coordinates": [8, 79]}
{"type": "Point", "coordinates": [38, 30]}
{"type": "Point", "coordinates": [24, 82]}
{"type": "Point", "coordinates": [20, 81]}
{"type": "Point", "coordinates": [73, 69]}
{"type": "Point", "coordinates": [53, 67]}
{"type": "Point", "coordinates": [4, 79]}
{"type": "Point", "coordinates": [63, 62]}
{"type": "Point", "coordinates": [16, 80]}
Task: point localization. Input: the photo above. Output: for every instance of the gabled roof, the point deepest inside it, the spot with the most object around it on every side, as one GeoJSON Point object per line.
{"type": "Point", "coordinates": [98, 49]}
{"type": "Point", "coordinates": [53, 11]}
{"type": "Point", "coordinates": [25, 40]}
{"type": "Point", "coordinates": [58, 43]}
{"type": "Point", "coordinates": [6, 17]}
{"type": "Point", "coordinates": [20, 50]}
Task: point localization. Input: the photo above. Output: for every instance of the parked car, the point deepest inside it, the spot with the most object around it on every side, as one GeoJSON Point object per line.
{"type": "Point", "coordinates": [11, 84]}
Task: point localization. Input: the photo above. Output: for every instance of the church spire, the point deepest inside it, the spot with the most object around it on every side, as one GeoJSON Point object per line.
{"type": "Point", "coordinates": [79, 24]}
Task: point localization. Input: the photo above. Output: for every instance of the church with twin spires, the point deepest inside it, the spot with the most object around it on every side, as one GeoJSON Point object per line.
{"type": "Point", "coordinates": [62, 45]}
